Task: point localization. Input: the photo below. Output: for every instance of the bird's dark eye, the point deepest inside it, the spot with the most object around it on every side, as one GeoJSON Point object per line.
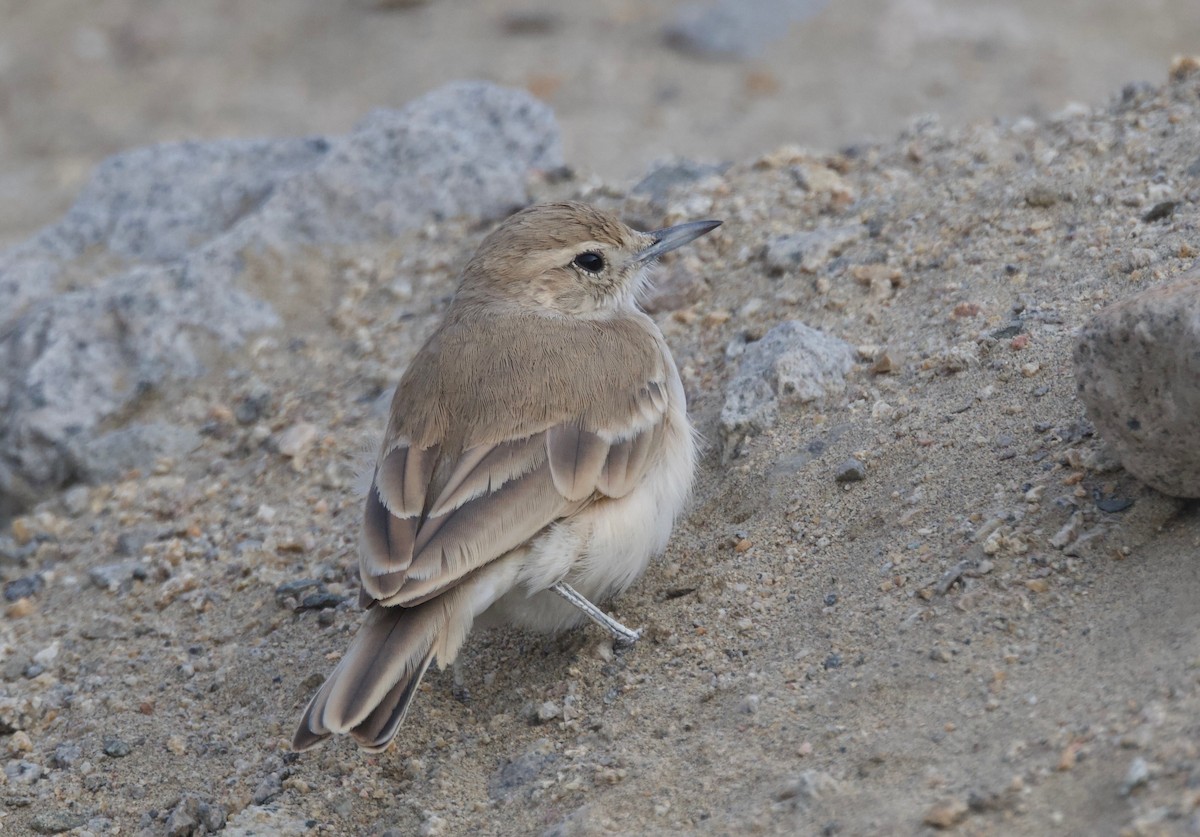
{"type": "Point", "coordinates": [591, 262]}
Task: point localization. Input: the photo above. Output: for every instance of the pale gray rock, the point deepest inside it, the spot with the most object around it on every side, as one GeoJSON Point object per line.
{"type": "Point", "coordinates": [257, 820]}
{"type": "Point", "coordinates": [791, 364]}
{"type": "Point", "coordinates": [736, 29]}
{"type": "Point", "coordinates": [673, 175]}
{"type": "Point", "coordinates": [809, 251]}
{"type": "Point", "coordinates": [1137, 366]}
{"type": "Point", "coordinates": [154, 246]}
{"type": "Point", "coordinates": [106, 457]}
{"type": "Point", "coordinates": [117, 575]}
{"type": "Point", "coordinates": [194, 816]}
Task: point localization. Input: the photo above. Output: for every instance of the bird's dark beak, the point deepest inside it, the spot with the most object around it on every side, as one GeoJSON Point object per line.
{"type": "Point", "coordinates": [669, 238]}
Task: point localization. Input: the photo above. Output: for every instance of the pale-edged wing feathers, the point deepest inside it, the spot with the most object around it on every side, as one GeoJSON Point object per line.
{"type": "Point", "coordinates": [495, 498]}
{"type": "Point", "coordinates": [475, 466]}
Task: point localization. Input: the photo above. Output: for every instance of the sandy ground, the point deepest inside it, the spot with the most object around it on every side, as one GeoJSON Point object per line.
{"type": "Point", "coordinates": [962, 638]}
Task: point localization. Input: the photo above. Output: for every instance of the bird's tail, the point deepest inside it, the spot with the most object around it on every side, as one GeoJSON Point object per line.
{"type": "Point", "coordinates": [369, 692]}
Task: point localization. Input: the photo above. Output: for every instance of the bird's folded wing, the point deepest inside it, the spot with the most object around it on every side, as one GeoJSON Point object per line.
{"type": "Point", "coordinates": [429, 523]}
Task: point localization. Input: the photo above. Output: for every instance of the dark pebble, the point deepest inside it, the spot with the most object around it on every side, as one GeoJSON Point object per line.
{"type": "Point", "coordinates": [830, 599]}
{"type": "Point", "coordinates": [1113, 505]}
{"type": "Point", "coordinates": [1159, 211]}
{"type": "Point", "coordinates": [293, 589]}
{"type": "Point", "coordinates": [851, 471]}
{"type": "Point", "coordinates": [1008, 331]}
{"type": "Point", "coordinates": [833, 661]}
{"type": "Point", "coordinates": [116, 748]}
{"type": "Point", "coordinates": [23, 588]}
{"type": "Point", "coordinates": [320, 601]}
{"type": "Point", "coordinates": [251, 408]}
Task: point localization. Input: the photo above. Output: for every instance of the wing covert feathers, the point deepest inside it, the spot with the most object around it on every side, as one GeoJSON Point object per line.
{"type": "Point", "coordinates": [429, 522]}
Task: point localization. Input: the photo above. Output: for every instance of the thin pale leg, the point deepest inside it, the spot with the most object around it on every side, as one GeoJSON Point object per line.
{"type": "Point", "coordinates": [459, 690]}
{"type": "Point", "coordinates": [622, 635]}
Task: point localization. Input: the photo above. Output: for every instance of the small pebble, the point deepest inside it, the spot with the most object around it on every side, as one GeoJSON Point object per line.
{"type": "Point", "coordinates": [23, 588]}
{"type": "Point", "coordinates": [116, 748]}
{"type": "Point", "coordinates": [852, 470]}
{"type": "Point", "coordinates": [548, 711]}
{"type": "Point", "coordinates": [269, 788]}
{"type": "Point", "coordinates": [1137, 775]}
{"type": "Point", "coordinates": [22, 772]}
{"type": "Point", "coordinates": [22, 530]}
{"type": "Point", "coordinates": [47, 655]}
{"type": "Point", "coordinates": [76, 499]}
{"type": "Point", "coordinates": [296, 440]}
{"type": "Point", "coordinates": [66, 755]}
{"type": "Point", "coordinates": [320, 600]}
{"type": "Point", "coordinates": [749, 705]}
{"type": "Point", "coordinates": [19, 742]}
{"type": "Point", "coordinates": [251, 408]}
{"type": "Point", "coordinates": [295, 589]}
{"type": "Point", "coordinates": [434, 826]}
{"type": "Point", "coordinates": [946, 814]}
{"type": "Point", "coordinates": [119, 575]}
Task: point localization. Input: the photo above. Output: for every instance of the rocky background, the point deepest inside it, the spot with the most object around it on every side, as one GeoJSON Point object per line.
{"type": "Point", "coordinates": [940, 572]}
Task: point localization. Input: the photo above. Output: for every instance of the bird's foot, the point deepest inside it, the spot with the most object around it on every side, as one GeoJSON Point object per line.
{"type": "Point", "coordinates": [622, 636]}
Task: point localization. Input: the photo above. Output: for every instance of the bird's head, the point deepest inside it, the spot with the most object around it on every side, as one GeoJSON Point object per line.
{"type": "Point", "coordinates": [569, 259]}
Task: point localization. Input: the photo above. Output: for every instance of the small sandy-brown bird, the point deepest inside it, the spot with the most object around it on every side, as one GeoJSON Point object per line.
{"type": "Point", "coordinates": [538, 444]}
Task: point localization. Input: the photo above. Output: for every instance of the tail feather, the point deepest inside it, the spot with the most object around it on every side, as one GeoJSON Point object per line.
{"type": "Point", "coordinates": [369, 692]}
{"type": "Point", "coordinates": [377, 730]}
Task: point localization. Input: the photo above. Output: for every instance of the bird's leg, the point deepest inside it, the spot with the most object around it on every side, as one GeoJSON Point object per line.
{"type": "Point", "coordinates": [622, 635]}
{"type": "Point", "coordinates": [461, 693]}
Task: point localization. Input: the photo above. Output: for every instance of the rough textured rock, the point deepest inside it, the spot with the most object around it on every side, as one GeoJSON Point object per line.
{"type": "Point", "coordinates": [792, 363]}
{"type": "Point", "coordinates": [139, 445]}
{"type": "Point", "coordinates": [674, 175]}
{"type": "Point", "coordinates": [194, 816]}
{"type": "Point", "coordinates": [151, 252]}
{"type": "Point", "coordinates": [809, 251]}
{"type": "Point", "coordinates": [1137, 364]}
